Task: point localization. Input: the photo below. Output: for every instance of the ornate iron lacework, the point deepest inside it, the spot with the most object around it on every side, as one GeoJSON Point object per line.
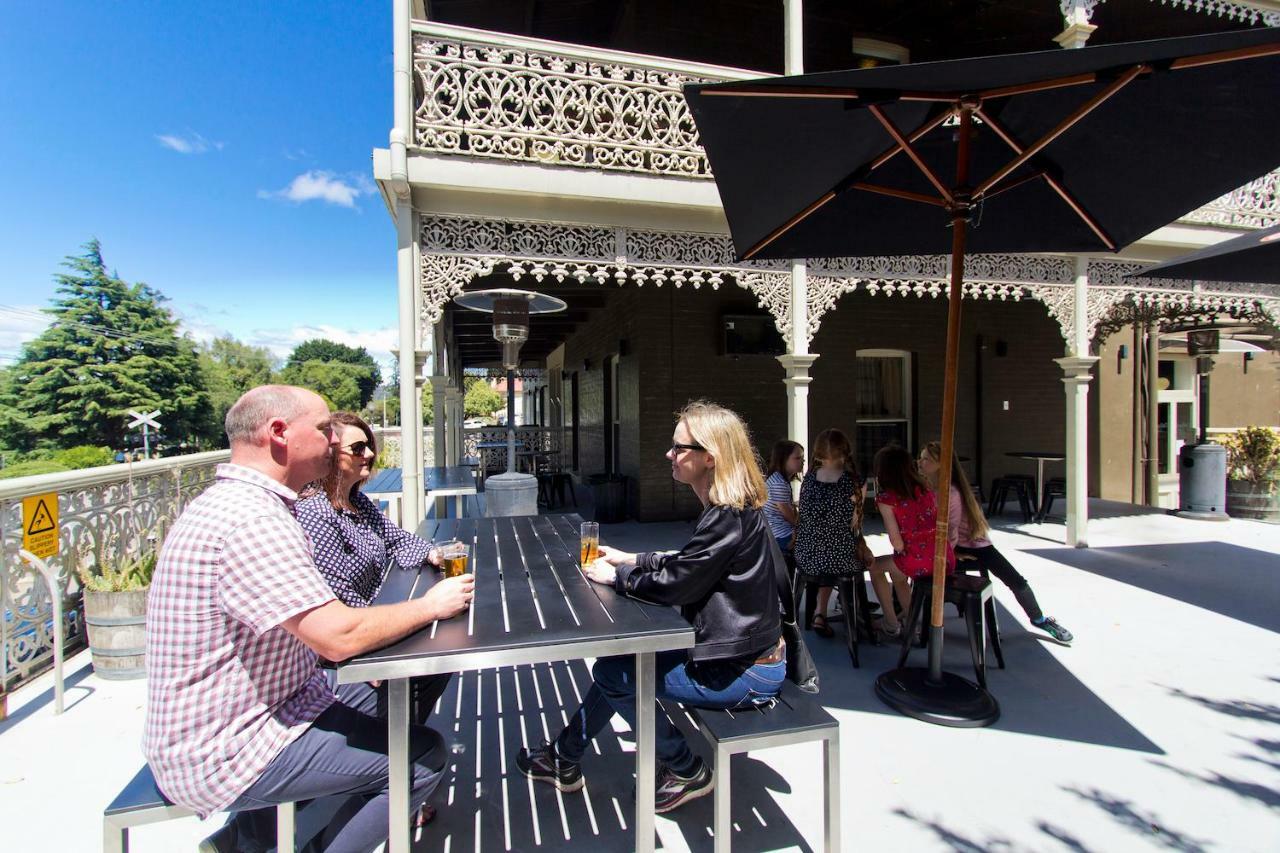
{"type": "Point", "coordinates": [456, 250]}
{"type": "Point", "coordinates": [494, 100]}
{"type": "Point", "coordinates": [1254, 205]}
{"type": "Point", "coordinates": [1228, 9]}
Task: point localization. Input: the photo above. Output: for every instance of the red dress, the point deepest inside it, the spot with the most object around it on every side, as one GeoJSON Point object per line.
{"type": "Point", "coordinates": [917, 519]}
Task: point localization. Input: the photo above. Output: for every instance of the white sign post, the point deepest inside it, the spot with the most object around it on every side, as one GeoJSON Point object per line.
{"type": "Point", "coordinates": [145, 421]}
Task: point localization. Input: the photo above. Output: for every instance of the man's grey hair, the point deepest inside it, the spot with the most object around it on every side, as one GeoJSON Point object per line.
{"type": "Point", "coordinates": [257, 406]}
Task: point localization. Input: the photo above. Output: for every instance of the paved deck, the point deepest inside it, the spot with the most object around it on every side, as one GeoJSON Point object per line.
{"type": "Point", "coordinates": [1159, 729]}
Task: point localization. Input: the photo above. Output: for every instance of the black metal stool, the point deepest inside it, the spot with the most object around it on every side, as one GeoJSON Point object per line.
{"type": "Point", "coordinates": [853, 602]}
{"type": "Point", "coordinates": [1022, 485]}
{"type": "Point", "coordinates": [971, 595]}
{"type": "Point", "coordinates": [1056, 487]}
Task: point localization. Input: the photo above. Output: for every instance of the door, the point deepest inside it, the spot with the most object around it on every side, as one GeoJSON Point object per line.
{"type": "Point", "coordinates": [881, 403]}
{"type": "Point", "coordinates": [1177, 419]}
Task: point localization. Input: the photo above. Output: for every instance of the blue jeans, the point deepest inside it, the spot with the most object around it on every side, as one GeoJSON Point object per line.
{"type": "Point", "coordinates": [709, 684]}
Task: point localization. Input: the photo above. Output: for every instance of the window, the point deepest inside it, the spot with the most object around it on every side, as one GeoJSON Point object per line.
{"type": "Point", "coordinates": [881, 402]}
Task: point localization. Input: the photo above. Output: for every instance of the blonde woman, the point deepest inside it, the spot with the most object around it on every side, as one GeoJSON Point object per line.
{"type": "Point", "coordinates": [968, 533]}
{"type": "Point", "coordinates": [725, 584]}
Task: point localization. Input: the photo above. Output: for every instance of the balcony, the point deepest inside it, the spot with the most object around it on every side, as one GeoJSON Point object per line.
{"type": "Point", "coordinates": [486, 94]}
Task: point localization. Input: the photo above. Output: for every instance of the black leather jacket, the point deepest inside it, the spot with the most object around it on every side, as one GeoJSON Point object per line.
{"type": "Point", "coordinates": [723, 581]}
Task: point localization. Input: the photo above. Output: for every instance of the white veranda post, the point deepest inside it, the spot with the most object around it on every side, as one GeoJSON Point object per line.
{"type": "Point", "coordinates": [1076, 369]}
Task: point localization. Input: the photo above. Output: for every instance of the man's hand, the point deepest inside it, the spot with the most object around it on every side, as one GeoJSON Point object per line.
{"type": "Point", "coordinates": [450, 596]}
{"type": "Point", "coordinates": [614, 557]}
{"type": "Point", "coordinates": [434, 557]}
{"type": "Point", "coordinates": [602, 571]}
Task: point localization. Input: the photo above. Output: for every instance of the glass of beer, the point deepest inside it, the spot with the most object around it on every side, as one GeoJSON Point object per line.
{"type": "Point", "coordinates": [590, 533]}
{"type": "Point", "coordinates": [453, 557]}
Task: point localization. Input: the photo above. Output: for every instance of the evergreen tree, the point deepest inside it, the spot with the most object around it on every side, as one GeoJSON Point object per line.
{"type": "Point", "coordinates": [367, 376]}
{"type": "Point", "coordinates": [112, 346]}
{"type": "Point", "coordinates": [230, 368]}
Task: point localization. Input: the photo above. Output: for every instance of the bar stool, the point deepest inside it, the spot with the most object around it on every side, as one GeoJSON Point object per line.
{"type": "Point", "coordinates": [1022, 485]}
{"type": "Point", "coordinates": [1056, 487]}
{"type": "Point", "coordinates": [853, 600]}
{"type": "Point", "coordinates": [972, 596]}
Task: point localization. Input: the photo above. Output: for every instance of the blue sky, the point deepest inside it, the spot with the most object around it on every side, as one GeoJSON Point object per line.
{"type": "Point", "coordinates": [220, 152]}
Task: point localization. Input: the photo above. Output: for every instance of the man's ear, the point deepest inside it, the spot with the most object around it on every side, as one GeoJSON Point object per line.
{"type": "Point", "coordinates": [276, 428]}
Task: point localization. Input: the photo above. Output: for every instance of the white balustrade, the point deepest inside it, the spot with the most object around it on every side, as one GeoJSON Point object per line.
{"type": "Point", "coordinates": [102, 512]}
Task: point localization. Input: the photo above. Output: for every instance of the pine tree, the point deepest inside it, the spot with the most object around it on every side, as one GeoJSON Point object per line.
{"type": "Point", "coordinates": [111, 347]}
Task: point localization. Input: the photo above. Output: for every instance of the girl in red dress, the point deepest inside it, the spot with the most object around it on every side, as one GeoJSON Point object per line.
{"type": "Point", "coordinates": [910, 512]}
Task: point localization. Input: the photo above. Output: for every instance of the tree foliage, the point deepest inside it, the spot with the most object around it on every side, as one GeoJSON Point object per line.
{"type": "Point", "coordinates": [331, 354]}
{"type": "Point", "coordinates": [230, 368]}
{"type": "Point", "coordinates": [338, 383]}
{"type": "Point", "coordinates": [481, 401]}
{"type": "Point", "coordinates": [111, 347]}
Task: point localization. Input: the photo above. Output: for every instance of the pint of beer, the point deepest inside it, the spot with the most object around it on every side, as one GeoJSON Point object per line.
{"type": "Point", "coordinates": [590, 533]}
{"type": "Point", "coordinates": [453, 557]}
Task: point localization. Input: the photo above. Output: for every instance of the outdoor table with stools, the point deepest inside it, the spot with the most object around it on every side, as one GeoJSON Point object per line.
{"type": "Point", "coordinates": [532, 605]}
{"type": "Point", "coordinates": [1039, 457]}
{"type": "Point", "coordinates": [485, 450]}
{"type": "Point", "coordinates": [456, 481]}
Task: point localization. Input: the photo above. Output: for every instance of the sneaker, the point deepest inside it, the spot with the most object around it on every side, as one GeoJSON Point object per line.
{"type": "Point", "coordinates": [1051, 627]}
{"type": "Point", "coordinates": [224, 840]}
{"type": "Point", "coordinates": [541, 764]}
{"type": "Point", "coordinates": [675, 790]}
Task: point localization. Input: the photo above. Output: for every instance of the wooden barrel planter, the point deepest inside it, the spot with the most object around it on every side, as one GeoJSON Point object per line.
{"type": "Point", "coordinates": [1259, 501]}
{"type": "Point", "coordinates": [116, 622]}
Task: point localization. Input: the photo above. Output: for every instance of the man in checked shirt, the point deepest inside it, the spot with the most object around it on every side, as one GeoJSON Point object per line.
{"type": "Point", "coordinates": [239, 715]}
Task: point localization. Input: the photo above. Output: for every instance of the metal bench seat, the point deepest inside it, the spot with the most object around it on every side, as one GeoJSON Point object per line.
{"type": "Point", "coordinates": [796, 717]}
{"type": "Point", "coordinates": [141, 802]}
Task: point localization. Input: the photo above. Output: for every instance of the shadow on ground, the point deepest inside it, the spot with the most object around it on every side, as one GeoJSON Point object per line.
{"type": "Point", "coordinates": [1240, 583]}
{"type": "Point", "coordinates": [486, 804]}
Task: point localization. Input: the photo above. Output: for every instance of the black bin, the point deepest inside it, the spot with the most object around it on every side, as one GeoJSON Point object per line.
{"type": "Point", "coordinates": [609, 492]}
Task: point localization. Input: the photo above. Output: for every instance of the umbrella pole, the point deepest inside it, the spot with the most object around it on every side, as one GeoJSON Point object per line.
{"type": "Point", "coordinates": [931, 694]}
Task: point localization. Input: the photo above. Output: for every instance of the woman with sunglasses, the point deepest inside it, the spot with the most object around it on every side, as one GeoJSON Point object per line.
{"type": "Point", "coordinates": [725, 581]}
{"type": "Point", "coordinates": [353, 542]}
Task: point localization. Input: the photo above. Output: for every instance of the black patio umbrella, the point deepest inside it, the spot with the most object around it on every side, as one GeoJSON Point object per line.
{"type": "Point", "coordinates": [1252, 258]}
{"type": "Point", "coordinates": [1062, 150]}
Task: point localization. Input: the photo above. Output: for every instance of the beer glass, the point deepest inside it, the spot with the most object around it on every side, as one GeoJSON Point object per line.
{"type": "Point", "coordinates": [453, 557]}
{"type": "Point", "coordinates": [590, 533]}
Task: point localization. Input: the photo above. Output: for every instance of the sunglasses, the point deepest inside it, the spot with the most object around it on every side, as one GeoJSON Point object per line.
{"type": "Point", "coordinates": [677, 447]}
{"type": "Point", "coordinates": [358, 448]}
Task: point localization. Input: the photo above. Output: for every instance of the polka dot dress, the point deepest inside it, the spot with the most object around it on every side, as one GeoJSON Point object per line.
{"type": "Point", "coordinates": [824, 540]}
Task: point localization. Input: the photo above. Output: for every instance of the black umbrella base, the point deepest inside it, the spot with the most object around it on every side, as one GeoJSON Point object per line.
{"type": "Point", "coordinates": [953, 701]}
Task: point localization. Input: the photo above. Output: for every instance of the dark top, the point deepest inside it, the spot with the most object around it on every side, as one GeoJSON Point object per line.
{"type": "Point", "coordinates": [825, 540]}
{"type": "Point", "coordinates": [722, 580]}
{"type": "Point", "coordinates": [352, 549]}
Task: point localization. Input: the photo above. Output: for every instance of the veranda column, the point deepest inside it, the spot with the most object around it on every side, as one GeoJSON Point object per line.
{"type": "Point", "coordinates": [1077, 367]}
{"type": "Point", "coordinates": [797, 361]}
{"type": "Point", "coordinates": [410, 413]}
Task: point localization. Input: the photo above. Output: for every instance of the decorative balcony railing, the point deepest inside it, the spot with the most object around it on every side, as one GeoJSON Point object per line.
{"type": "Point", "coordinates": [494, 95]}
{"type": "Point", "coordinates": [101, 512]}
{"type": "Point", "coordinates": [488, 94]}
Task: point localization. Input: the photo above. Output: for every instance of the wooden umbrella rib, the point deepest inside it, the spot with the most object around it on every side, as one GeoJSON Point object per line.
{"type": "Point", "coordinates": [905, 145]}
{"type": "Point", "coordinates": [1063, 126]}
{"type": "Point", "coordinates": [1203, 59]}
{"type": "Point", "coordinates": [897, 193]}
{"type": "Point", "coordinates": [1039, 86]}
{"type": "Point", "coordinates": [914, 135]}
{"type": "Point", "coordinates": [1001, 131]}
{"type": "Point", "coordinates": [788, 225]}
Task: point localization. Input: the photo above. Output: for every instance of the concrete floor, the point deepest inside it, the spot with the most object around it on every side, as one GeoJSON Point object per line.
{"type": "Point", "coordinates": [1158, 729]}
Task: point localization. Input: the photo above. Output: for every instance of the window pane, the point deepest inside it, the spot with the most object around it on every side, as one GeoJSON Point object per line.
{"type": "Point", "coordinates": [878, 385]}
{"type": "Point", "coordinates": [869, 438]}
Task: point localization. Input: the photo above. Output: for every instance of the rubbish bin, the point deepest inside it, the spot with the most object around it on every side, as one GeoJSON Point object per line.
{"type": "Point", "coordinates": [1202, 481]}
{"type": "Point", "coordinates": [609, 491]}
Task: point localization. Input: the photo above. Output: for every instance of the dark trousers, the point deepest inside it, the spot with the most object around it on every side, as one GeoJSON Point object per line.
{"type": "Point", "coordinates": [994, 562]}
{"type": "Point", "coordinates": [341, 762]}
{"type": "Point", "coordinates": [710, 684]}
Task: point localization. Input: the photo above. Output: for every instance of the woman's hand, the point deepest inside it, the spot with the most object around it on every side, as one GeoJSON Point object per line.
{"type": "Point", "coordinates": [602, 571]}
{"type": "Point", "coordinates": [614, 557]}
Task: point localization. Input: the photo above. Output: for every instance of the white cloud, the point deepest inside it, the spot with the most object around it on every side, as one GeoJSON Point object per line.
{"type": "Point", "coordinates": [319, 185]}
{"type": "Point", "coordinates": [188, 143]}
{"type": "Point", "coordinates": [378, 342]}
{"type": "Point", "coordinates": [19, 324]}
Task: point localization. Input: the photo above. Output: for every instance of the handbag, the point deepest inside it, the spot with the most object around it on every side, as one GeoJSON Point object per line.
{"type": "Point", "coordinates": [801, 670]}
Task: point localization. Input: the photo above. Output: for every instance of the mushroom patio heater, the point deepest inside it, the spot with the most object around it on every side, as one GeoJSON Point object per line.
{"type": "Point", "coordinates": [511, 493]}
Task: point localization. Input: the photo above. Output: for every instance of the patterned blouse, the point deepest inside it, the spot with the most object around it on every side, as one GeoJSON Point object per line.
{"type": "Point", "coordinates": [352, 549]}
{"type": "Point", "coordinates": [825, 540]}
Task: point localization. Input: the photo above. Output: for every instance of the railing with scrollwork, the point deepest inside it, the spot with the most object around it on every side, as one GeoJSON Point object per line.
{"type": "Point", "coordinates": [495, 95]}
{"type": "Point", "coordinates": [488, 94]}
{"type": "Point", "coordinates": [102, 512]}
{"type": "Point", "coordinates": [529, 439]}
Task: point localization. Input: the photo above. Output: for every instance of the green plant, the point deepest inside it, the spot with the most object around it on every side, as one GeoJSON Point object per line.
{"type": "Point", "coordinates": [84, 456]}
{"type": "Point", "coordinates": [1253, 454]}
{"type": "Point", "coordinates": [122, 575]}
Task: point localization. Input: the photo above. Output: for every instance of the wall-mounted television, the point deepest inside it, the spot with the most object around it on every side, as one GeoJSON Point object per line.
{"type": "Point", "coordinates": [751, 334]}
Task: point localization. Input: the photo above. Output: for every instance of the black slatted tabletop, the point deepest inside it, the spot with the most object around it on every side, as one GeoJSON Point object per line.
{"type": "Point", "coordinates": [532, 605]}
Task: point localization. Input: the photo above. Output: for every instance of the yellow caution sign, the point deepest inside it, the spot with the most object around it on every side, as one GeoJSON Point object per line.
{"type": "Point", "coordinates": [40, 532]}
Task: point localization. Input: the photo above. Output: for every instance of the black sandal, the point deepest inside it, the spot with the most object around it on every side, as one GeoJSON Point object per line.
{"type": "Point", "coordinates": [821, 628]}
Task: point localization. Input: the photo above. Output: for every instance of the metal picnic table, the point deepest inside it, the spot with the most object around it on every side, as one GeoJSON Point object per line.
{"type": "Point", "coordinates": [532, 605]}
{"type": "Point", "coordinates": [456, 481]}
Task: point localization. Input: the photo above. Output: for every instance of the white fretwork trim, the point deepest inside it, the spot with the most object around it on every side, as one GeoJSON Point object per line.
{"type": "Point", "coordinates": [455, 250]}
{"type": "Point", "coordinates": [1236, 11]}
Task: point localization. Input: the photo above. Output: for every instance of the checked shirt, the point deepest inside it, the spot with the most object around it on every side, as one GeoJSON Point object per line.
{"type": "Point", "coordinates": [228, 687]}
